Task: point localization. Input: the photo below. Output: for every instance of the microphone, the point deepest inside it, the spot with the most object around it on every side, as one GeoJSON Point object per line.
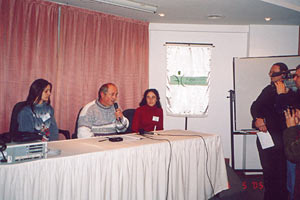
{"type": "Point", "coordinates": [142, 132]}
{"type": "Point", "coordinates": [116, 107]}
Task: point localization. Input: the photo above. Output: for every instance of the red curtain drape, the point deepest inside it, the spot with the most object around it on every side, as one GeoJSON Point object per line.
{"type": "Point", "coordinates": [96, 48]}
{"type": "Point", "coordinates": [28, 50]}
{"type": "Point", "coordinates": [87, 50]}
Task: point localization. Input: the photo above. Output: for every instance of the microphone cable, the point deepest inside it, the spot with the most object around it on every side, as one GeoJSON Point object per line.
{"type": "Point", "coordinates": [210, 182]}
{"type": "Point", "coordinates": [168, 171]}
{"type": "Point", "coordinates": [123, 126]}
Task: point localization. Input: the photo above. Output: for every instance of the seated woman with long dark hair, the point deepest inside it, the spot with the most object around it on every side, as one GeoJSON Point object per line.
{"type": "Point", "coordinates": [38, 115]}
{"type": "Point", "coordinates": [149, 116]}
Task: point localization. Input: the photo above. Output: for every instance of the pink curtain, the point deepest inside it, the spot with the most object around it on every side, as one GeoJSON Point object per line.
{"type": "Point", "coordinates": [92, 49]}
{"type": "Point", "coordinates": [28, 50]}
{"type": "Point", "coordinates": [96, 48]}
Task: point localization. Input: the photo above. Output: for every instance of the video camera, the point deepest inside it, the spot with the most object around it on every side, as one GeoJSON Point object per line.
{"type": "Point", "coordinates": [288, 78]}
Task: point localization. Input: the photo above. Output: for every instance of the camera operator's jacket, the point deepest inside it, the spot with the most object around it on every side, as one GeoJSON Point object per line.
{"type": "Point", "coordinates": [266, 107]}
{"type": "Point", "coordinates": [291, 139]}
{"type": "Point", "coordinates": [270, 106]}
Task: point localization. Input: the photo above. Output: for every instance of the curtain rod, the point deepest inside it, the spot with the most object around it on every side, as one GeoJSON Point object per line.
{"type": "Point", "coordinates": [187, 44]}
{"type": "Point", "coordinates": [283, 56]}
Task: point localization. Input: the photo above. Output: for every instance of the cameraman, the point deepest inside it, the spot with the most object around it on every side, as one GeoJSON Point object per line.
{"type": "Point", "coordinates": [291, 138]}
{"type": "Point", "coordinates": [268, 116]}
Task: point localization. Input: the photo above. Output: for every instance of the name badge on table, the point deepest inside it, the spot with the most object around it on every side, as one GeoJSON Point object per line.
{"type": "Point", "coordinates": [155, 118]}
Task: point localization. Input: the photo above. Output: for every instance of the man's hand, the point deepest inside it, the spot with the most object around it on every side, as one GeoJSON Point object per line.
{"type": "Point", "coordinates": [280, 87]}
{"type": "Point", "coordinates": [119, 114]}
{"type": "Point", "coordinates": [290, 118]}
{"type": "Point", "coordinates": [260, 124]}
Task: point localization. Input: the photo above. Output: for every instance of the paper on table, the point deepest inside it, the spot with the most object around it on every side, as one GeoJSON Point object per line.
{"type": "Point", "coordinates": [265, 139]}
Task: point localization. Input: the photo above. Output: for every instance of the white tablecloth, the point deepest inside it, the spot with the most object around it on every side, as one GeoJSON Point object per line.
{"type": "Point", "coordinates": [131, 169]}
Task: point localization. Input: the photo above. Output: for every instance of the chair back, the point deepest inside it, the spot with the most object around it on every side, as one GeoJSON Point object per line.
{"type": "Point", "coordinates": [14, 125]}
{"type": "Point", "coordinates": [129, 113]}
{"type": "Point", "coordinates": [74, 135]}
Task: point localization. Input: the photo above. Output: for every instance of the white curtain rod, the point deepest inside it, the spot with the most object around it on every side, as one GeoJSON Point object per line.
{"type": "Point", "coordinates": [188, 44]}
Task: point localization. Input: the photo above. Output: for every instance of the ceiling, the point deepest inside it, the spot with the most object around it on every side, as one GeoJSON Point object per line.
{"type": "Point", "coordinates": [234, 12]}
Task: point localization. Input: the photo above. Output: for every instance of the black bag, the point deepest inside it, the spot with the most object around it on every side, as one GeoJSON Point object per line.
{"type": "Point", "coordinates": [5, 137]}
{"type": "Point", "coordinates": [26, 137]}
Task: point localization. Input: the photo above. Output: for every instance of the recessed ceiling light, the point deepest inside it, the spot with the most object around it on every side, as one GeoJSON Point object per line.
{"type": "Point", "coordinates": [161, 14]}
{"type": "Point", "coordinates": [268, 19]}
{"type": "Point", "coordinates": [215, 16]}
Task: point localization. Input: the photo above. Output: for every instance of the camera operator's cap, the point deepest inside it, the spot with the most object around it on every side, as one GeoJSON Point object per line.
{"type": "Point", "coordinates": [283, 69]}
{"type": "Point", "coordinates": [282, 66]}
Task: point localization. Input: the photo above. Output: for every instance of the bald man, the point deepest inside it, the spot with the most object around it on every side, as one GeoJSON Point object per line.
{"type": "Point", "coordinates": [100, 116]}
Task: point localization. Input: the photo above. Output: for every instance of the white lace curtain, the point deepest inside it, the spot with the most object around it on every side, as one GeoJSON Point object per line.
{"type": "Point", "coordinates": [187, 89]}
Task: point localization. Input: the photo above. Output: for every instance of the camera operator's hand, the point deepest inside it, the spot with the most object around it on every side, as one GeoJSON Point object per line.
{"type": "Point", "coordinates": [280, 87]}
{"type": "Point", "coordinates": [291, 118]}
{"type": "Point", "coordinates": [260, 124]}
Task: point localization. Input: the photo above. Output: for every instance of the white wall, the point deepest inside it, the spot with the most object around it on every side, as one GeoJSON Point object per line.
{"type": "Point", "coordinates": [229, 42]}
{"type": "Point", "coordinates": [273, 40]}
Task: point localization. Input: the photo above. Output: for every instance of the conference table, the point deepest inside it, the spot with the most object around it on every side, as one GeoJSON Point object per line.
{"type": "Point", "coordinates": [172, 164]}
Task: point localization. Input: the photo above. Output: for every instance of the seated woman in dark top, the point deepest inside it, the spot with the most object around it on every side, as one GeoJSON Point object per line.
{"type": "Point", "coordinates": [38, 115]}
{"type": "Point", "coordinates": [149, 116]}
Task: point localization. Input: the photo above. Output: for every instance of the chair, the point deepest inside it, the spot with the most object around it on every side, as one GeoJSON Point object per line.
{"type": "Point", "coordinates": [74, 135]}
{"type": "Point", "coordinates": [14, 120]}
{"type": "Point", "coordinates": [129, 113]}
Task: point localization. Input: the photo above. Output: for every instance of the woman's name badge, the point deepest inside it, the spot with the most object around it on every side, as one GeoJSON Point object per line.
{"type": "Point", "coordinates": [45, 117]}
{"type": "Point", "coordinates": [155, 118]}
